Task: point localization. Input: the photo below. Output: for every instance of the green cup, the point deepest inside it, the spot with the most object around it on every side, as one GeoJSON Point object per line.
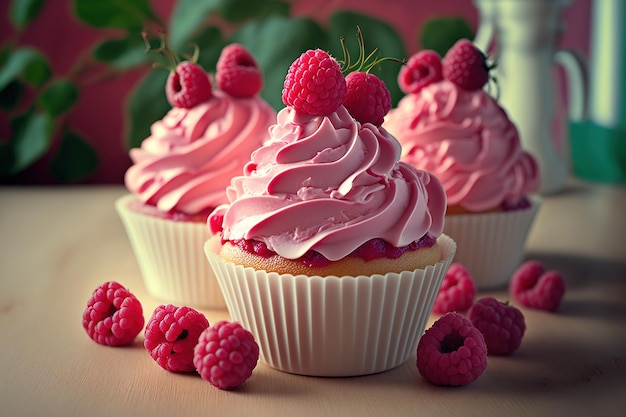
{"type": "Point", "coordinates": [598, 153]}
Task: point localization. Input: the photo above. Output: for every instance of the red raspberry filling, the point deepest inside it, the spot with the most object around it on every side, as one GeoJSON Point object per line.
{"type": "Point", "coordinates": [521, 204]}
{"type": "Point", "coordinates": [370, 250]}
{"type": "Point", "coordinates": [173, 215]}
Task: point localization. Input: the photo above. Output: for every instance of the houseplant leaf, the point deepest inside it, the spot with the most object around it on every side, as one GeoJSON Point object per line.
{"type": "Point", "coordinates": [32, 133]}
{"type": "Point", "coordinates": [75, 160]}
{"type": "Point", "coordinates": [123, 53]}
{"type": "Point", "coordinates": [22, 12]}
{"type": "Point", "coordinates": [186, 19]}
{"type": "Point", "coordinates": [147, 105]}
{"type": "Point", "coordinates": [440, 33]}
{"type": "Point", "coordinates": [125, 14]}
{"type": "Point", "coordinates": [210, 43]}
{"type": "Point", "coordinates": [376, 34]}
{"type": "Point", "coordinates": [242, 10]}
{"type": "Point", "coordinates": [288, 37]}
{"type": "Point", "coordinates": [58, 97]}
{"type": "Point", "coordinates": [25, 63]}
{"type": "Point", "coordinates": [11, 95]}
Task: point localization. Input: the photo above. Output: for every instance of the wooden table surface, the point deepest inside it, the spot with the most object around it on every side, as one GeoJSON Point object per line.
{"type": "Point", "coordinates": [58, 244]}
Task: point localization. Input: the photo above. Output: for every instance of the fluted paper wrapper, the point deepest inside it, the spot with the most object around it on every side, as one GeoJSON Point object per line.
{"type": "Point", "coordinates": [171, 258]}
{"type": "Point", "coordinates": [333, 326]}
{"type": "Point", "coordinates": [491, 245]}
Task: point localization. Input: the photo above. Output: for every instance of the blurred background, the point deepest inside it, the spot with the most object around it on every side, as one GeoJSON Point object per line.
{"type": "Point", "coordinates": [77, 89]}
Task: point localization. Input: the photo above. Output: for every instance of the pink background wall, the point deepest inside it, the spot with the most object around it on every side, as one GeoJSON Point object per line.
{"type": "Point", "coordinates": [99, 114]}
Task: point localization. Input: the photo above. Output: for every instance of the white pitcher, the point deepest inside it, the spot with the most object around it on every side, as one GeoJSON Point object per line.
{"type": "Point", "coordinates": [524, 34]}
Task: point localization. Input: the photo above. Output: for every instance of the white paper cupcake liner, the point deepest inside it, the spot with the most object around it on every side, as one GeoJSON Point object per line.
{"type": "Point", "coordinates": [171, 258]}
{"type": "Point", "coordinates": [491, 245]}
{"type": "Point", "coordinates": [333, 326]}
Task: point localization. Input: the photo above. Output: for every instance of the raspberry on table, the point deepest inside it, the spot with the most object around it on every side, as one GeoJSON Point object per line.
{"type": "Point", "coordinates": [314, 84]}
{"type": "Point", "coordinates": [501, 324]}
{"type": "Point", "coordinates": [237, 72]}
{"type": "Point", "coordinates": [457, 290]}
{"type": "Point", "coordinates": [466, 66]}
{"type": "Point", "coordinates": [114, 316]}
{"type": "Point", "coordinates": [171, 335]}
{"type": "Point", "coordinates": [533, 287]}
{"type": "Point", "coordinates": [188, 85]}
{"type": "Point", "coordinates": [226, 354]}
{"type": "Point", "coordinates": [452, 351]}
{"type": "Point", "coordinates": [422, 69]}
{"type": "Point", "coordinates": [367, 98]}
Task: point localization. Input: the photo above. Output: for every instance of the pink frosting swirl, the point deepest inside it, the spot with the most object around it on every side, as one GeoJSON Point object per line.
{"type": "Point", "coordinates": [192, 154]}
{"type": "Point", "coordinates": [467, 140]}
{"type": "Point", "coordinates": [330, 184]}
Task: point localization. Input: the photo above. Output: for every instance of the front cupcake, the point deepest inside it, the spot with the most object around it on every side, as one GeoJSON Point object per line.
{"type": "Point", "coordinates": [449, 126]}
{"type": "Point", "coordinates": [332, 250]}
{"type": "Point", "coordinates": [180, 172]}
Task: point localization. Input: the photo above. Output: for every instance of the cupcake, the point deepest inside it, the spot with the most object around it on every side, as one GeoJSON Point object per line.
{"type": "Point", "coordinates": [332, 250]}
{"type": "Point", "coordinates": [180, 172]}
{"type": "Point", "coordinates": [449, 126]}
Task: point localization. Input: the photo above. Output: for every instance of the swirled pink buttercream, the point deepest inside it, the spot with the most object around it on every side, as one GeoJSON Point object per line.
{"type": "Point", "coordinates": [467, 140]}
{"type": "Point", "coordinates": [330, 184]}
{"type": "Point", "coordinates": [192, 154]}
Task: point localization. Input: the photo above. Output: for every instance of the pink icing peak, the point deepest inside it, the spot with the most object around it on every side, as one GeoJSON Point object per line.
{"type": "Point", "coordinates": [467, 140]}
{"type": "Point", "coordinates": [191, 155]}
{"type": "Point", "coordinates": [368, 251]}
{"type": "Point", "coordinates": [329, 184]}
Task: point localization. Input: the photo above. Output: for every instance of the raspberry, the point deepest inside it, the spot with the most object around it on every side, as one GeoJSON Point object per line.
{"type": "Point", "coordinates": [188, 85]}
{"type": "Point", "coordinates": [237, 72]}
{"type": "Point", "coordinates": [367, 97]}
{"type": "Point", "coordinates": [457, 290]}
{"type": "Point", "coordinates": [466, 66]}
{"type": "Point", "coordinates": [452, 351]}
{"type": "Point", "coordinates": [501, 324]}
{"type": "Point", "coordinates": [226, 354]}
{"type": "Point", "coordinates": [215, 223]}
{"type": "Point", "coordinates": [114, 316]}
{"type": "Point", "coordinates": [533, 287]}
{"type": "Point", "coordinates": [314, 84]}
{"type": "Point", "coordinates": [171, 335]}
{"type": "Point", "coordinates": [422, 69]}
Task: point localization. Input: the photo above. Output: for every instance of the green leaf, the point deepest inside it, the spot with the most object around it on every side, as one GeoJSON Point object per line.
{"type": "Point", "coordinates": [211, 43]}
{"type": "Point", "coordinates": [32, 134]}
{"type": "Point", "coordinates": [6, 158]}
{"type": "Point", "coordinates": [376, 35]}
{"type": "Point", "coordinates": [276, 42]}
{"type": "Point", "coordinates": [24, 11]}
{"type": "Point", "coordinates": [76, 159]}
{"type": "Point", "coordinates": [58, 97]}
{"type": "Point", "coordinates": [26, 63]}
{"type": "Point", "coordinates": [11, 95]}
{"type": "Point", "coordinates": [237, 11]}
{"type": "Point", "coordinates": [277, 8]}
{"type": "Point", "coordinates": [122, 53]}
{"type": "Point", "coordinates": [440, 33]}
{"type": "Point", "coordinates": [125, 14]}
{"type": "Point", "coordinates": [186, 20]}
{"type": "Point", "coordinates": [147, 105]}
{"type": "Point", "coordinates": [37, 72]}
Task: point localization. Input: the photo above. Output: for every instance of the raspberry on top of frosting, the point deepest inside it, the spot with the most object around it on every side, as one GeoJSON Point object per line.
{"type": "Point", "coordinates": [467, 140]}
{"type": "Point", "coordinates": [191, 154]}
{"type": "Point", "coordinates": [329, 184]}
